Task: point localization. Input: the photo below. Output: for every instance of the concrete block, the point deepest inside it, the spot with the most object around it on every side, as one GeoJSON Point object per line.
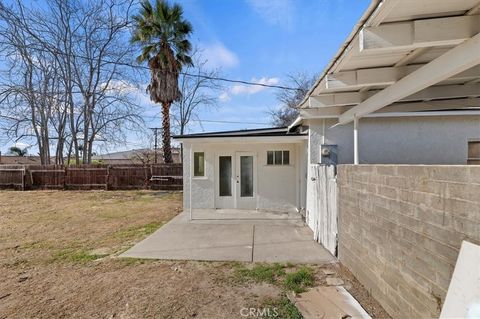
{"type": "Point", "coordinates": [414, 171]}
{"type": "Point", "coordinates": [388, 192]}
{"type": "Point", "coordinates": [465, 209]}
{"type": "Point", "coordinates": [469, 192]}
{"type": "Point", "coordinates": [401, 230]}
{"type": "Point", "coordinates": [422, 301]}
{"type": "Point", "coordinates": [442, 249]}
{"type": "Point", "coordinates": [473, 174]}
{"type": "Point", "coordinates": [376, 179]}
{"type": "Point", "coordinates": [432, 216]}
{"type": "Point", "coordinates": [396, 181]}
{"type": "Point", "coordinates": [465, 230]}
{"type": "Point", "coordinates": [450, 173]}
{"type": "Point", "coordinates": [386, 169]}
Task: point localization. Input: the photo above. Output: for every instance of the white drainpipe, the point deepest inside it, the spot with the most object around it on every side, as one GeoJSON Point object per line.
{"type": "Point", "coordinates": [355, 140]}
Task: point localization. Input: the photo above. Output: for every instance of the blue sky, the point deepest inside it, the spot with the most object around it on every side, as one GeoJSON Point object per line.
{"type": "Point", "coordinates": [257, 40]}
{"type": "Point", "coordinates": [266, 40]}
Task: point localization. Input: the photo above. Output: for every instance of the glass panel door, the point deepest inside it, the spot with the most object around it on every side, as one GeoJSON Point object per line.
{"type": "Point", "coordinates": [246, 176]}
{"type": "Point", "coordinates": [225, 175]}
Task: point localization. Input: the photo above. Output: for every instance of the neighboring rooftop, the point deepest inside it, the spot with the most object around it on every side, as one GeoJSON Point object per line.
{"type": "Point", "coordinates": [24, 160]}
{"type": "Point", "coordinates": [134, 156]}
{"type": "Point", "coordinates": [130, 153]}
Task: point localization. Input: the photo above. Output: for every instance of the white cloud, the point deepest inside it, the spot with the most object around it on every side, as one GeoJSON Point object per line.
{"type": "Point", "coordinates": [275, 12]}
{"type": "Point", "coordinates": [219, 56]}
{"type": "Point", "coordinates": [121, 86]}
{"type": "Point", "coordinates": [224, 97]}
{"type": "Point", "coordinates": [252, 89]}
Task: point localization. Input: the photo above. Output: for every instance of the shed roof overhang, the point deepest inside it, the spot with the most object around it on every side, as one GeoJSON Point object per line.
{"type": "Point", "coordinates": [403, 56]}
{"type": "Point", "coordinates": [265, 135]}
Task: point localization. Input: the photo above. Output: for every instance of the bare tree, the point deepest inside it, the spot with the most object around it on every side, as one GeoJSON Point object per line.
{"type": "Point", "coordinates": [199, 92]}
{"type": "Point", "coordinates": [30, 94]}
{"type": "Point", "coordinates": [290, 99]}
{"type": "Point", "coordinates": [144, 156]}
{"type": "Point", "coordinates": [68, 75]}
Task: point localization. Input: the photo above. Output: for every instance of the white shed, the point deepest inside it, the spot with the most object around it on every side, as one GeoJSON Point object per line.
{"type": "Point", "coordinates": [261, 169]}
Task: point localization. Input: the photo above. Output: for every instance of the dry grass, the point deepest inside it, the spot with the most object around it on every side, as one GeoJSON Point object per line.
{"type": "Point", "coordinates": [58, 260]}
{"type": "Point", "coordinates": [78, 226]}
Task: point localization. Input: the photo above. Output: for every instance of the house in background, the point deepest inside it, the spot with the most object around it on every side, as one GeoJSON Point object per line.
{"type": "Point", "coordinates": [404, 88]}
{"type": "Point", "coordinates": [22, 160]}
{"type": "Point", "coordinates": [137, 156]}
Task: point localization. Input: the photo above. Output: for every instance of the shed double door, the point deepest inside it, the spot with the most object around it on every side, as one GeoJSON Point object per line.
{"type": "Point", "coordinates": [235, 180]}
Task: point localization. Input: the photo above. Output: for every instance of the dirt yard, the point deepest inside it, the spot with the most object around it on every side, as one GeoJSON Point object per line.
{"type": "Point", "coordinates": [58, 259]}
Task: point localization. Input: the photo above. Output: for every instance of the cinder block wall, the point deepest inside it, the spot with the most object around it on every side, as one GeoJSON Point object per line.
{"type": "Point", "coordinates": [401, 227]}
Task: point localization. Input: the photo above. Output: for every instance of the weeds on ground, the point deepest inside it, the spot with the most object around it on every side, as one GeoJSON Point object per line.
{"type": "Point", "coordinates": [138, 231]}
{"type": "Point", "coordinates": [75, 256]}
{"type": "Point", "coordinates": [285, 309]}
{"type": "Point", "coordinates": [130, 261]}
{"type": "Point", "coordinates": [260, 273]}
{"type": "Point", "coordinates": [296, 281]}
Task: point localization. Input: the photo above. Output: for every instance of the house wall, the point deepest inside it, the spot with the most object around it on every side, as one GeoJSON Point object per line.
{"type": "Point", "coordinates": [401, 228]}
{"type": "Point", "coordinates": [277, 186]}
{"type": "Point", "coordinates": [402, 140]}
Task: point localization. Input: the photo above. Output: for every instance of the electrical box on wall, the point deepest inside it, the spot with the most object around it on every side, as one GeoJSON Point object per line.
{"type": "Point", "coordinates": [328, 154]}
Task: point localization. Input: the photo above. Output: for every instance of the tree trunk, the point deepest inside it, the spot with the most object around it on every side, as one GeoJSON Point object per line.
{"type": "Point", "coordinates": [167, 150]}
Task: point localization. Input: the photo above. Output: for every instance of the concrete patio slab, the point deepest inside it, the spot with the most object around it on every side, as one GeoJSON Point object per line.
{"type": "Point", "coordinates": [188, 241]}
{"type": "Point", "coordinates": [226, 239]}
{"type": "Point", "coordinates": [288, 244]}
{"type": "Point", "coordinates": [244, 214]}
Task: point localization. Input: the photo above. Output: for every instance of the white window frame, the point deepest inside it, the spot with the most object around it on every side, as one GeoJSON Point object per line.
{"type": "Point", "coordinates": [204, 165]}
{"type": "Point", "coordinates": [282, 160]}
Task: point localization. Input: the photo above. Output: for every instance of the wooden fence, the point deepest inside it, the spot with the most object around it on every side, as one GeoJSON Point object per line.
{"type": "Point", "coordinates": [108, 177]}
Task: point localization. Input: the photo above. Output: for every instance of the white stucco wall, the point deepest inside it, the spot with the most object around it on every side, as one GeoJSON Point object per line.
{"type": "Point", "coordinates": [277, 186]}
{"type": "Point", "coordinates": [403, 140]}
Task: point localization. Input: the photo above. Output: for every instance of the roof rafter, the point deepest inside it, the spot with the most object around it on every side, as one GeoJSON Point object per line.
{"type": "Point", "coordinates": [419, 33]}
{"type": "Point", "coordinates": [383, 76]}
{"type": "Point", "coordinates": [430, 93]}
{"type": "Point", "coordinates": [454, 61]}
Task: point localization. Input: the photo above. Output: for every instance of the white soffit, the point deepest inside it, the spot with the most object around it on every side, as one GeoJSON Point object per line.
{"type": "Point", "coordinates": [402, 35]}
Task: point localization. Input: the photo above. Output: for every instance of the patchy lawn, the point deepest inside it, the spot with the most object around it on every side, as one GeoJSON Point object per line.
{"type": "Point", "coordinates": [58, 259]}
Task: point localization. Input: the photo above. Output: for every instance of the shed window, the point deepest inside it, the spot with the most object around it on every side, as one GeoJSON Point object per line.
{"type": "Point", "coordinates": [198, 164]}
{"type": "Point", "coordinates": [286, 158]}
{"type": "Point", "coordinates": [473, 152]}
{"type": "Point", "coordinates": [278, 157]}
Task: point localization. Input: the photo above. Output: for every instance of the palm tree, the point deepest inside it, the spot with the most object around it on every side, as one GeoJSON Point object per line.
{"type": "Point", "coordinates": [162, 33]}
{"type": "Point", "coordinates": [17, 151]}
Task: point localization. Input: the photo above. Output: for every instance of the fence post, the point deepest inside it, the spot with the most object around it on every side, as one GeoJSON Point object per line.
{"type": "Point", "coordinates": [107, 182]}
{"type": "Point", "coordinates": [23, 178]}
{"type": "Point", "coordinates": [65, 177]}
{"type": "Point", "coordinates": [148, 175]}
